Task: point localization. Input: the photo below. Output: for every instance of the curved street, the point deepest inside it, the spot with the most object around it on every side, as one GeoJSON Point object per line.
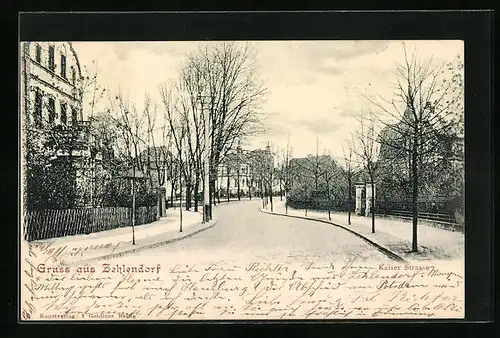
{"type": "Point", "coordinates": [242, 232]}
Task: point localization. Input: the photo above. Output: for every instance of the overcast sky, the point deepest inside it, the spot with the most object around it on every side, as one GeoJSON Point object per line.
{"type": "Point", "coordinates": [315, 88]}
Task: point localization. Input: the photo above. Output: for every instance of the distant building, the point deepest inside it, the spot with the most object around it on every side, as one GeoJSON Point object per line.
{"type": "Point", "coordinates": [395, 138]}
{"type": "Point", "coordinates": [442, 167]}
{"type": "Point", "coordinates": [245, 170]}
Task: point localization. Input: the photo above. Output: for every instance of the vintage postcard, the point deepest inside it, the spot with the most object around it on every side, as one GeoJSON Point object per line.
{"type": "Point", "coordinates": [242, 180]}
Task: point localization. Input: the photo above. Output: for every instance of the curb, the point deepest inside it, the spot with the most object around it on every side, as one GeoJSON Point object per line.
{"type": "Point", "coordinates": [145, 247]}
{"type": "Point", "coordinates": [379, 247]}
{"type": "Point", "coordinates": [222, 203]}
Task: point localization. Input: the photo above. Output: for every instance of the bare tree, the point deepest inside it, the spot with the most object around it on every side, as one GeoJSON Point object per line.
{"type": "Point", "coordinates": [129, 124]}
{"type": "Point", "coordinates": [429, 115]}
{"type": "Point", "coordinates": [367, 150]}
{"type": "Point", "coordinates": [190, 93]}
{"type": "Point", "coordinates": [176, 114]}
{"type": "Point", "coordinates": [235, 94]}
{"type": "Point", "coordinates": [285, 172]}
{"type": "Point", "coordinates": [310, 171]}
{"type": "Point", "coordinates": [330, 173]}
{"type": "Point", "coordinates": [156, 156]}
{"type": "Point", "coordinates": [182, 133]}
{"type": "Point", "coordinates": [263, 171]}
{"type": "Point", "coordinates": [347, 170]}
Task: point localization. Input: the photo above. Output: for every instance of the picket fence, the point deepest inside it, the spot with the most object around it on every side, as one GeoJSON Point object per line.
{"type": "Point", "coordinates": [51, 223]}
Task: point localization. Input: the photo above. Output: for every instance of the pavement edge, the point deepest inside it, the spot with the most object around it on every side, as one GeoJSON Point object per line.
{"type": "Point", "coordinates": [150, 246]}
{"type": "Point", "coordinates": [379, 247]}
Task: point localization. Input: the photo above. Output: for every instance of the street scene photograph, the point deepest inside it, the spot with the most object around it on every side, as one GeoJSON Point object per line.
{"type": "Point", "coordinates": [242, 180]}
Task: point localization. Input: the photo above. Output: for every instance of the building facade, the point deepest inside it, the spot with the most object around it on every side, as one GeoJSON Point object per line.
{"type": "Point", "coordinates": [55, 132]}
{"type": "Point", "coordinates": [51, 83]}
{"type": "Point", "coordinates": [246, 171]}
{"type": "Point", "coordinates": [234, 174]}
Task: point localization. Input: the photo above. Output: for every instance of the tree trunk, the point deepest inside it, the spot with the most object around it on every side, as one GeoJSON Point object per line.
{"type": "Point", "coordinates": [286, 202]}
{"type": "Point", "coordinates": [373, 207]}
{"type": "Point", "coordinates": [160, 209]}
{"type": "Point", "coordinates": [217, 191]}
{"type": "Point", "coordinates": [172, 189]}
{"type": "Point", "coordinates": [329, 211]}
{"type": "Point", "coordinates": [329, 200]}
{"type": "Point", "coordinates": [211, 196]}
{"type": "Point", "coordinates": [189, 191]}
{"type": "Point", "coordinates": [196, 188]}
{"type": "Point", "coordinates": [180, 204]}
{"type": "Point", "coordinates": [349, 202]}
{"type": "Point", "coordinates": [238, 185]}
{"type": "Point", "coordinates": [228, 186]}
{"type": "Point", "coordinates": [414, 245]}
{"type": "Point", "coordinates": [133, 206]}
{"type": "Point", "coordinates": [271, 198]}
{"type": "Point", "coordinates": [281, 192]}
{"type": "Point", "coordinates": [306, 201]}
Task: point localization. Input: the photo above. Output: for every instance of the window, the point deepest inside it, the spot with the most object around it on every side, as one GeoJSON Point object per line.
{"type": "Point", "coordinates": [52, 65]}
{"type": "Point", "coordinates": [38, 54]}
{"type": "Point", "coordinates": [52, 110]}
{"type": "Point", "coordinates": [73, 75]}
{"type": "Point", "coordinates": [64, 114]}
{"type": "Point", "coordinates": [38, 108]}
{"type": "Point", "coordinates": [73, 115]}
{"type": "Point", "coordinates": [63, 65]}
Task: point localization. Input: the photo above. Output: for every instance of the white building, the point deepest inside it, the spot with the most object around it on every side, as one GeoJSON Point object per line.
{"type": "Point", "coordinates": [51, 83]}
{"type": "Point", "coordinates": [246, 171]}
{"type": "Point", "coordinates": [51, 102]}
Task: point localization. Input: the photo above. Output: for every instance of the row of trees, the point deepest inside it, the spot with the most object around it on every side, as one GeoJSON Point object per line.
{"type": "Point", "coordinates": [220, 80]}
{"type": "Point", "coordinates": [408, 148]}
{"type": "Point", "coordinates": [163, 141]}
{"type": "Point", "coordinates": [422, 126]}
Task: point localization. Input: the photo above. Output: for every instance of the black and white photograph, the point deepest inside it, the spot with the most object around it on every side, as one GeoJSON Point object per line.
{"type": "Point", "coordinates": [242, 180]}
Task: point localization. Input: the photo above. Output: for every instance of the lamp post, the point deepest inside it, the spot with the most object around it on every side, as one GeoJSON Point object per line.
{"type": "Point", "coordinates": [207, 212]}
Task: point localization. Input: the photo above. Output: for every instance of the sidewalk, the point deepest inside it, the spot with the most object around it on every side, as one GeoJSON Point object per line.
{"type": "Point", "coordinates": [395, 235]}
{"type": "Point", "coordinates": [118, 242]}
